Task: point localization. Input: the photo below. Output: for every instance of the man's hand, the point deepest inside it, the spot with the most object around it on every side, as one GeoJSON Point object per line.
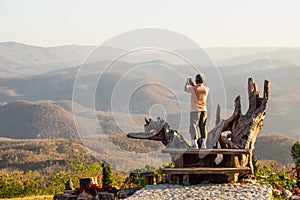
{"type": "Point", "coordinates": [185, 86]}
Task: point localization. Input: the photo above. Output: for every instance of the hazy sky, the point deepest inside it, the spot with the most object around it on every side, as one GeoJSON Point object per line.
{"type": "Point", "coordinates": [209, 23]}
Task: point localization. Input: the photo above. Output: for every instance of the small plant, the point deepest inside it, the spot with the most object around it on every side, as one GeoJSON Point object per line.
{"type": "Point", "coordinates": [277, 180]}
{"type": "Point", "coordinates": [142, 182]}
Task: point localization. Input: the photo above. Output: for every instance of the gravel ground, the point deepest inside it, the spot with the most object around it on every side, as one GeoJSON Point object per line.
{"type": "Point", "coordinates": [204, 191]}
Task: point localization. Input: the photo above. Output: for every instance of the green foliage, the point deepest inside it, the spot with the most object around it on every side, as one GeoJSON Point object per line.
{"type": "Point", "coordinates": [79, 168]}
{"type": "Point", "coordinates": [142, 182]}
{"type": "Point", "coordinates": [56, 183]}
{"type": "Point", "coordinates": [83, 168]}
{"type": "Point", "coordinates": [20, 184]}
{"type": "Point", "coordinates": [44, 156]}
{"type": "Point", "coordinates": [7, 184]}
{"type": "Point", "coordinates": [282, 179]}
{"type": "Point", "coordinates": [159, 173]}
{"type": "Point", "coordinates": [147, 168]}
{"type": "Point", "coordinates": [107, 177]}
{"type": "Point", "coordinates": [254, 163]}
{"type": "Point", "coordinates": [295, 150]}
{"type": "Point", "coordinates": [136, 174]}
{"type": "Point", "coordinates": [119, 180]}
{"type": "Point", "coordinates": [29, 183]}
{"type": "Point", "coordinates": [135, 179]}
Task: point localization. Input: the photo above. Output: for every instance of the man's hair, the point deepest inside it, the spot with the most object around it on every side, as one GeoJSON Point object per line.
{"type": "Point", "coordinates": [200, 78]}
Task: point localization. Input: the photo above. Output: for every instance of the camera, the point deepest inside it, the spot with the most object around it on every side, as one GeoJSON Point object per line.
{"type": "Point", "coordinates": [189, 81]}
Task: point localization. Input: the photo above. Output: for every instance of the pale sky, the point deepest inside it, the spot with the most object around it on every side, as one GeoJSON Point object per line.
{"type": "Point", "coordinates": [209, 23]}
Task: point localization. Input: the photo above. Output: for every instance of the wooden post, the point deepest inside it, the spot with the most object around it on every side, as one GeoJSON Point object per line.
{"type": "Point", "coordinates": [186, 179]}
{"type": "Point", "coordinates": [179, 161]}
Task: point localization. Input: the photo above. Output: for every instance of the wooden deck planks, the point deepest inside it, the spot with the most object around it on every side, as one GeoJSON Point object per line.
{"type": "Point", "coordinates": [206, 170]}
{"type": "Point", "coordinates": [205, 151]}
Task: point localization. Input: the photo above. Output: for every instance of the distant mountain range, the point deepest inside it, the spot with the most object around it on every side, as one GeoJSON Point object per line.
{"type": "Point", "coordinates": [37, 85]}
{"type": "Point", "coordinates": [283, 108]}
{"type": "Point", "coordinates": [249, 55]}
{"type": "Point", "coordinates": [17, 59]}
{"type": "Point", "coordinates": [274, 146]}
{"type": "Point", "coordinates": [53, 120]}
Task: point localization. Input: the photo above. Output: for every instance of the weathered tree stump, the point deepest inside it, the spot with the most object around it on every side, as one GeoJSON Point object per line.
{"type": "Point", "coordinates": [244, 128]}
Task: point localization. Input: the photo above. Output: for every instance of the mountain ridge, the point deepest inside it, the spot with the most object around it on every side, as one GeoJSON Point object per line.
{"type": "Point", "coordinates": [35, 120]}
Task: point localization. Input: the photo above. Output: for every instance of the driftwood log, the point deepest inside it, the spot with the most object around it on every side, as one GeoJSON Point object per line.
{"type": "Point", "coordinates": [243, 128]}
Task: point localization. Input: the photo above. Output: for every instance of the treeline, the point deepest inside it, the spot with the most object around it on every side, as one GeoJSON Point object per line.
{"type": "Point", "coordinates": [28, 183]}
{"type": "Point", "coordinates": [44, 156]}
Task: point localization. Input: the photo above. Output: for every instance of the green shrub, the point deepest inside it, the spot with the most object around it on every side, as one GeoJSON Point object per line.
{"type": "Point", "coordinates": [282, 179]}
{"type": "Point", "coordinates": [107, 177]}
{"type": "Point", "coordinates": [295, 150]}
{"type": "Point", "coordinates": [20, 184]}
{"type": "Point", "coordinates": [31, 183]}
{"type": "Point", "coordinates": [56, 183]}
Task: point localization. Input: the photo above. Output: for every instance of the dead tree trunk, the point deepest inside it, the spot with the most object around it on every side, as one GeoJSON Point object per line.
{"type": "Point", "coordinates": [244, 128]}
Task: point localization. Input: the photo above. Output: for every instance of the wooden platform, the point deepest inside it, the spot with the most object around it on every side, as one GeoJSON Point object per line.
{"type": "Point", "coordinates": [205, 151]}
{"type": "Point", "coordinates": [206, 170]}
{"type": "Point", "coordinates": [195, 165]}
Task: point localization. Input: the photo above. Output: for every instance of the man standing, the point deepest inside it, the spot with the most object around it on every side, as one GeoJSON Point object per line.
{"type": "Point", "coordinates": [198, 113]}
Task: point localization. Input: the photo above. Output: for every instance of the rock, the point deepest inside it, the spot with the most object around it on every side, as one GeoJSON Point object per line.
{"type": "Point", "coordinates": [85, 196]}
{"type": "Point", "coordinates": [127, 192]}
{"type": "Point", "coordinates": [295, 197]}
{"type": "Point", "coordinates": [105, 196]}
{"type": "Point", "coordinates": [287, 194]}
